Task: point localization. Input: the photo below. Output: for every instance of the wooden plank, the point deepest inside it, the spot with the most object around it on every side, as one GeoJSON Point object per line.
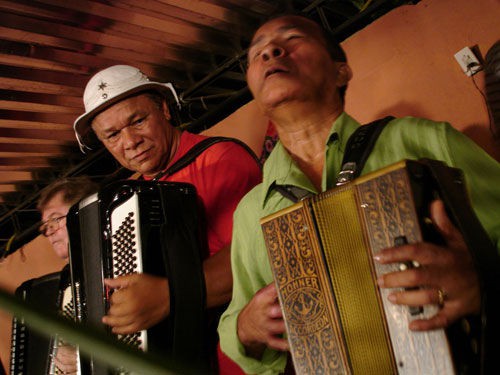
{"type": "Point", "coordinates": [39, 87]}
{"type": "Point", "coordinates": [37, 107]}
{"type": "Point", "coordinates": [29, 62]}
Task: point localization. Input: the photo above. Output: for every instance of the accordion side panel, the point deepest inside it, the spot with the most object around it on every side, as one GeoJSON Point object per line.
{"type": "Point", "coordinates": [127, 254]}
{"type": "Point", "coordinates": [305, 294]}
{"type": "Point", "coordinates": [350, 268]}
{"type": "Point", "coordinates": [388, 208]}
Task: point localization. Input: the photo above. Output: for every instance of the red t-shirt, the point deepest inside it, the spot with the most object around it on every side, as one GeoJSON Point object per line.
{"type": "Point", "coordinates": [222, 175]}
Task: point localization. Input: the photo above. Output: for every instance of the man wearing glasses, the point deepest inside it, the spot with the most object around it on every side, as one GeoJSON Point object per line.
{"type": "Point", "coordinates": [54, 204]}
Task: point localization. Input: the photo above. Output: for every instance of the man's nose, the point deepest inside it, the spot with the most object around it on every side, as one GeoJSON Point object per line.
{"type": "Point", "coordinates": [272, 51]}
{"type": "Point", "coordinates": [131, 138]}
{"type": "Point", "coordinates": [51, 229]}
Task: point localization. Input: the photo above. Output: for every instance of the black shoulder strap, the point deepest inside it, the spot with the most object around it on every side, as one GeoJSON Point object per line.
{"type": "Point", "coordinates": [358, 149]}
{"type": "Point", "coordinates": [294, 193]}
{"type": "Point", "coordinates": [196, 150]}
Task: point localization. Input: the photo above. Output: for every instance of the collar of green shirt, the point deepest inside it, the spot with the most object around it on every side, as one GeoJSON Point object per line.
{"type": "Point", "coordinates": [281, 169]}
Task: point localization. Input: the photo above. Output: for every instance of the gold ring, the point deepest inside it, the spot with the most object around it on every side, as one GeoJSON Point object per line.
{"type": "Point", "coordinates": [441, 297]}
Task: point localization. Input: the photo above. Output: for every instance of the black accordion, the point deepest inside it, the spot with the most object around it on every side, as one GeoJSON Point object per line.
{"type": "Point", "coordinates": [142, 227]}
{"type": "Point", "coordinates": [31, 352]}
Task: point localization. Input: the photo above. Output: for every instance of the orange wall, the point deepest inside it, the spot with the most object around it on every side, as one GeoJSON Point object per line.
{"type": "Point", "coordinates": [403, 64]}
{"type": "Point", "coordinates": [247, 124]}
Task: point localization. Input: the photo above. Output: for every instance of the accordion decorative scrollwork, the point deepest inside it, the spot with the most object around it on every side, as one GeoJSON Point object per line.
{"type": "Point", "coordinates": [321, 252]}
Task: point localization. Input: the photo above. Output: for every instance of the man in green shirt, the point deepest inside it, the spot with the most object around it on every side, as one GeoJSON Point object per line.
{"type": "Point", "coordinates": [298, 77]}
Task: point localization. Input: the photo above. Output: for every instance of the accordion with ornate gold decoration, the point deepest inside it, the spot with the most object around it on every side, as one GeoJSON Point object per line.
{"type": "Point", "coordinates": [142, 227]}
{"type": "Point", "coordinates": [321, 252]}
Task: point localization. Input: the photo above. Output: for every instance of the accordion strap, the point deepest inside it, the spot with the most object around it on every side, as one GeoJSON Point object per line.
{"type": "Point", "coordinates": [197, 150]}
{"type": "Point", "coordinates": [359, 146]}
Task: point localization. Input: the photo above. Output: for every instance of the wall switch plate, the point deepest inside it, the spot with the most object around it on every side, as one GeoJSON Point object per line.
{"type": "Point", "coordinates": [468, 61]}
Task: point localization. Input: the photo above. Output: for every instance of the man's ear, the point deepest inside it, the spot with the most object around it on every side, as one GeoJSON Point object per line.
{"type": "Point", "coordinates": [344, 74]}
{"type": "Point", "coordinates": [165, 110]}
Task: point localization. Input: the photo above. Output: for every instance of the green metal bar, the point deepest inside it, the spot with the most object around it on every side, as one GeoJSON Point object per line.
{"type": "Point", "coordinates": [90, 341]}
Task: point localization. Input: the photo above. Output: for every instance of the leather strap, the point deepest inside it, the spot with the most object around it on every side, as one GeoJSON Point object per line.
{"type": "Point", "coordinates": [196, 150]}
{"type": "Point", "coordinates": [294, 193]}
{"type": "Point", "coordinates": [358, 149]}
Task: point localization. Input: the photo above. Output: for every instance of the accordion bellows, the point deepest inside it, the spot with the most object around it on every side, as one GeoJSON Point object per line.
{"type": "Point", "coordinates": [321, 251]}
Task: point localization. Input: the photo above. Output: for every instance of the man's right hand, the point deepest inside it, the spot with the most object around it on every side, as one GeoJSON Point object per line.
{"type": "Point", "coordinates": [66, 359]}
{"type": "Point", "coordinates": [138, 302]}
{"type": "Point", "coordinates": [261, 324]}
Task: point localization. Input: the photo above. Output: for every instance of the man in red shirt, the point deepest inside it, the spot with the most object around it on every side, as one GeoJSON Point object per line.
{"type": "Point", "coordinates": [133, 118]}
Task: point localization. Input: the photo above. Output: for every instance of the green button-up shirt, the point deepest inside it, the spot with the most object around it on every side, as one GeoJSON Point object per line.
{"type": "Point", "coordinates": [405, 138]}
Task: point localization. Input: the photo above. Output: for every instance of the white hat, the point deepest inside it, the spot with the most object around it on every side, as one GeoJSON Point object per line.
{"type": "Point", "coordinates": [109, 86]}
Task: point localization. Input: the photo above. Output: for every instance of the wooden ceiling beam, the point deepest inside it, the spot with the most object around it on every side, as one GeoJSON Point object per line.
{"type": "Point", "coordinates": [38, 125]}
{"type": "Point", "coordinates": [38, 87]}
{"type": "Point", "coordinates": [30, 62]}
{"type": "Point", "coordinates": [5, 177]}
{"type": "Point", "coordinates": [36, 141]}
{"type": "Point", "coordinates": [38, 161]}
{"type": "Point", "coordinates": [189, 34]}
{"type": "Point", "coordinates": [44, 135]}
{"type": "Point", "coordinates": [37, 107]}
{"type": "Point", "coordinates": [7, 188]}
{"type": "Point", "coordinates": [55, 150]}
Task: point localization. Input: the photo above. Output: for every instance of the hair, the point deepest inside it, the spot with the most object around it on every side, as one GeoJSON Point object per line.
{"type": "Point", "coordinates": [333, 47]}
{"type": "Point", "coordinates": [492, 86]}
{"type": "Point", "coordinates": [73, 189]}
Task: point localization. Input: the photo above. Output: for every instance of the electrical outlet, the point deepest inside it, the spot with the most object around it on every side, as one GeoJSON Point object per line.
{"type": "Point", "coordinates": [468, 61]}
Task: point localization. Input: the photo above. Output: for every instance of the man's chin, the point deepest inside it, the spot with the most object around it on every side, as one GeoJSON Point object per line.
{"type": "Point", "coordinates": [147, 169]}
{"type": "Point", "coordinates": [275, 99]}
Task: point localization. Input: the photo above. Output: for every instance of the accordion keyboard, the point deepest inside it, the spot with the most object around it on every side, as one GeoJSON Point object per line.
{"type": "Point", "coordinates": [68, 308]}
{"type": "Point", "coordinates": [18, 344]}
{"type": "Point", "coordinates": [68, 312]}
{"type": "Point", "coordinates": [127, 253]}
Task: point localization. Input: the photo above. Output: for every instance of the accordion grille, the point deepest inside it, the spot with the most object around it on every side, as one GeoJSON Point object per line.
{"type": "Point", "coordinates": [18, 345]}
{"type": "Point", "coordinates": [67, 311]}
{"type": "Point", "coordinates": [347, 259]}
{"type": "Point", "coordinates": [124, 247]}
{"type": "Point", "coordinates": [68, 307]}
{"type": "Point", "coordinates": [127, 254]}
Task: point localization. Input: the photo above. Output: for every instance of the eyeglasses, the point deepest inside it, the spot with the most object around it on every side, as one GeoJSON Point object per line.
{"type": "Point", "coordinates": [51, 226]}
